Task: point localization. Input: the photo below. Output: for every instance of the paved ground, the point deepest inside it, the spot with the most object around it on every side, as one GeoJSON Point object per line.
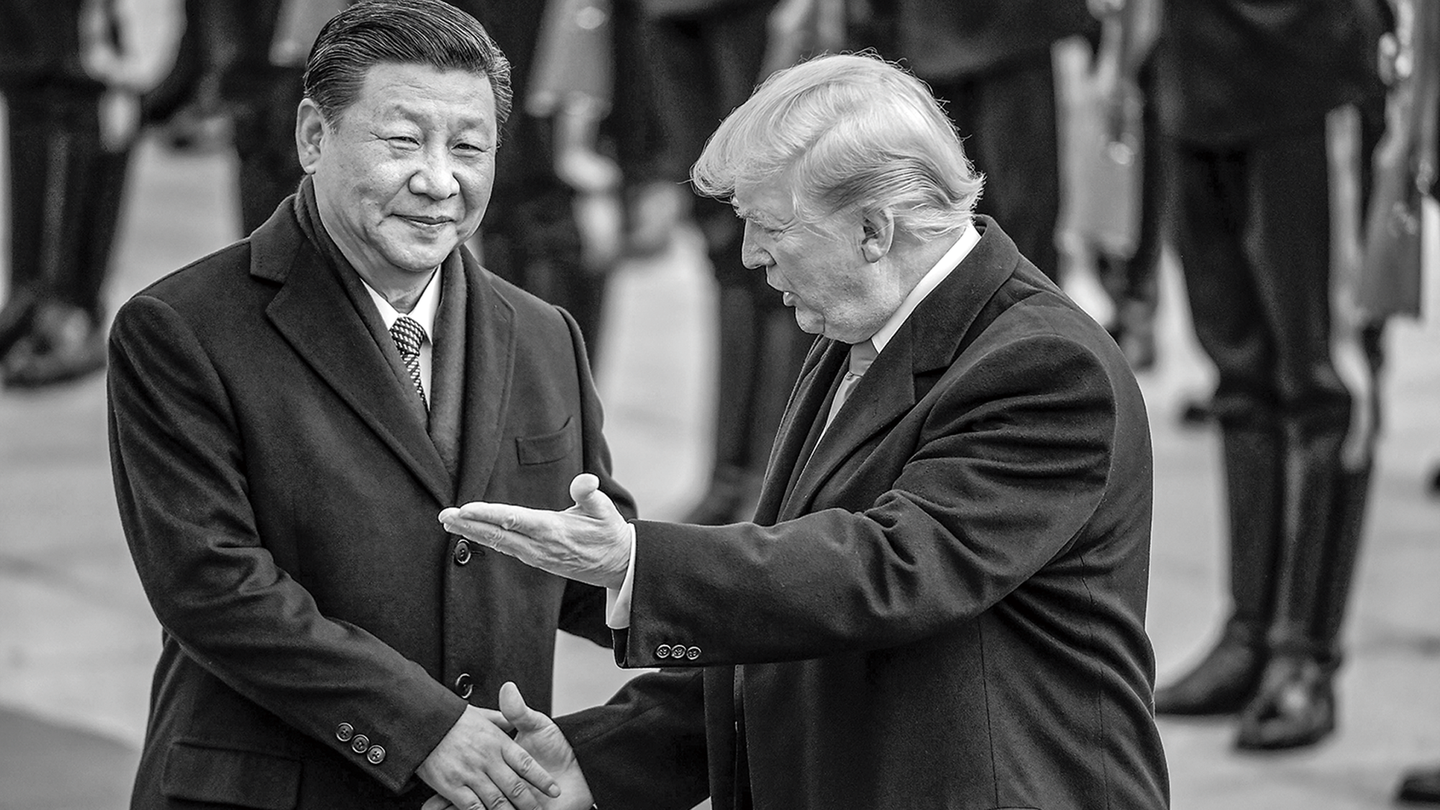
{"type": "Point", "coordinates": [77, 639]}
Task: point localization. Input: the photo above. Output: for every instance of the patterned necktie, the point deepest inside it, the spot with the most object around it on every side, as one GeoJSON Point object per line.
{"type": "Point", "coordinates": [862, 354]}
{"type": "Point", "coordinates": [408, 335]}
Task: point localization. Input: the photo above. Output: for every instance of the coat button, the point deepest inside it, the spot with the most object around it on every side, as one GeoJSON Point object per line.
{"type": "Point", "coordinates": [344, 732]}
{"type": "Point", "coordinates": [462, 552]}
{"type": "Point", "coordinates": [692, 653]}
{"type": "Point", "coordinates": [464, 685]}
{"type": "Point", "coordinates": [663, 651]}
{"type": "Point", "coordinates": [375, 755]}
{"type": "Point", "coordinates": [360, 744]}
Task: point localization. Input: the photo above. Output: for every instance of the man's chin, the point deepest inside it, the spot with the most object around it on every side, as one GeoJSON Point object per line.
{"type": "Point", "coordinates": [424, 258]}
{"type": "Point", "coordinates": [808, 324]}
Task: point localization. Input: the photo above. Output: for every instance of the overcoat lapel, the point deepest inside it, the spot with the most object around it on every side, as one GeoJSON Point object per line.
{"type": "Point", "coordinates": [447, 367]}
{"type": "Point", "coordinates": [924, 347]}
{"type": "Point", "coordinates": [489, 363]}
{"type": "Point", "coordinates": [317, 316]}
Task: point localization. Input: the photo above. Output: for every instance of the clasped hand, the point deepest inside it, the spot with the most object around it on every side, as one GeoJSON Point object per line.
{"type": "Point", "coordinates": [545, 753]}
{"type": "Point", "coordinates": [589, 542]}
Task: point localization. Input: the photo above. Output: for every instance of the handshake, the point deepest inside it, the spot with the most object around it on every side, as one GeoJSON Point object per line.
{"type": "Point", "coordinates": [537, 770]}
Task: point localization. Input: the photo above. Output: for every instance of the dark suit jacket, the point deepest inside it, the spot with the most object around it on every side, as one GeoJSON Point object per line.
{"type": "Point", "coordinates": [280, 494]}
{"type": "Point", "coordinates": [944, 608]}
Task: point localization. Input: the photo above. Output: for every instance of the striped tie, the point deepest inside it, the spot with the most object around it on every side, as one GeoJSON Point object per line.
{"type": "Point", "coordinates": [408, 335]}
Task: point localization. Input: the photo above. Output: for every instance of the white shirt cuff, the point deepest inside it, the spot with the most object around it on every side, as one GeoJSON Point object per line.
{"type": "Point", "coordinates": [617, 602]}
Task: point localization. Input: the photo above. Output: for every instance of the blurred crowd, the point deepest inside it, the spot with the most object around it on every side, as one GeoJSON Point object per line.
{"type": "Point", "coordinates": [1280, 151]}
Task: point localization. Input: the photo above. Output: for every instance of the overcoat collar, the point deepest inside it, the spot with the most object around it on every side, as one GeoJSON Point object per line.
{"type": "Point", "coordinates": [323, 320]}
{"type": "Point", "coordinates": [926, 345]}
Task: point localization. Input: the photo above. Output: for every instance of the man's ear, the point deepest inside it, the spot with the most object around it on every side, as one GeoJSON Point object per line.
{"type": "Point", "coordinates": [310, 130]}
{"type": "Point", "coordinates": [878, 234]}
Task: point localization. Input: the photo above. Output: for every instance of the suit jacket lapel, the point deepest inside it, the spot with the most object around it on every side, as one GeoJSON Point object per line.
{"type": "Point", "coordinates": [489, 364]}
{"type": "Point", "coordinates": [926, 344]}
{"type": "Point", "coordinates": [338, 338]}
{"type": "Point", "coordinates": [447, 367]}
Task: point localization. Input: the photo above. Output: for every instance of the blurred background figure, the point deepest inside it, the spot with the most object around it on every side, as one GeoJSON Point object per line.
{"type": "Point", "coordinates": [703, 58]}
{"type": "Point", "coordinates": [991, 62]}
{"type": "Point", "coordinates": [561, 74]}
{"type": "Point", "coordinates": [1407, 164]}
{"type": "Point", "coordinates": [236, 82]}
{"type": "Point", "coordinates": [71, 75]}
{"type": "Point", "coordinates": [1273, 117]}
{"type": "Point", "coordinates": [1116, 185]}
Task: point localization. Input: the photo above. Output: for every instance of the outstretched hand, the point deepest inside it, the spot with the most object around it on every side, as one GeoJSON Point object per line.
{"type": "Point", "coordinates": [588, 542]}
{"type": "Point", "coordinates": [543, 740]}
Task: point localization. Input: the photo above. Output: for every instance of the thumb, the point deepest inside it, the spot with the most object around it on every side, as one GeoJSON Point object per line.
{"type": "Point", "coordinates": [521, 716]}
{"type": "Point", "coordinates": [585, 492]}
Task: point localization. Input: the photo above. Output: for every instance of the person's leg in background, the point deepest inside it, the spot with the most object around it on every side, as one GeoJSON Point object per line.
{"type": "Point", "coordinates": [1257, 269]}
{"type": "Point", "coordinates": [1008, 119]}
{"type": "Point", "coordinates": [1211, 212]}
{"type": "Point", "coordinates": [1329, 415]}
{"type": "Point", "coordinates": [79, 209]}
{"type": "Point", "coordinates": [29, 131]}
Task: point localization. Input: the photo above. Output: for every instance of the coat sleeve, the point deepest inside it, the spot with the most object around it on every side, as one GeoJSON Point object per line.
{"type": "Point", "coordinates": [988, 480]}
{"type": "Point", "coordinates": [184, 505]}
{"type": "Point", "coordinates": [645, 748]}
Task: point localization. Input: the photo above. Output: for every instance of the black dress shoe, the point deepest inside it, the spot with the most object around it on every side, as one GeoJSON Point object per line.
{"type": "Point", "coordinates": [65, 344]}
{"type": "Point", "coordinates": [1294, 708]}
{"type": "Point", "coordinates": [1420, 786]}
{"type": "Point", "coordinates": [1222, 683]}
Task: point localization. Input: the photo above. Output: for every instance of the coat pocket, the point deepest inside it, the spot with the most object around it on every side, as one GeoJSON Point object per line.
{"type": "Point", "coordinates": [202, 773]}
{"type": "Point", "coordinates": [546, 447]}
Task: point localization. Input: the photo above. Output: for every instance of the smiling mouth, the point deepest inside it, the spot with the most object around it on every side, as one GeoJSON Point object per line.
{"type": "Point", "coordinates": [422, 220]}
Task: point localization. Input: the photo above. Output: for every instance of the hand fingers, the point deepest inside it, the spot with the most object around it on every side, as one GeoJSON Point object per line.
{"type": "Point", "coordinates": [515, 794]}
{"type": "Point", "coordinates": [498, 514]}
{"type": "Point", "coordinates": [461, 798]}
{"type": "Point", "coordinates": [437, 802]}
{"type": "Point", "coordinates": [585, 492]}
{"type": "Point", "coordinates": [492, 536]}
{"type": "Point", "coordinates": [521, 716]}
{"type": "Point", "coordinates": [583, 485]}
{"type": "Point", "coordinates": [529, 777]}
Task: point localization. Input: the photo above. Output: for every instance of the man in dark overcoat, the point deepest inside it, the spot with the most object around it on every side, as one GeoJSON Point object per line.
{"type": "Point", "coordinates": [289, 414]}
{"type": "Point", "coordinates": [941, 601]}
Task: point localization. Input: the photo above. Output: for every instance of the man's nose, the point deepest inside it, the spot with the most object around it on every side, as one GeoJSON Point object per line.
{"type": "Point", "coordinates": [435, 176]}
{"type": "Point", "coordinates": [751, 254]}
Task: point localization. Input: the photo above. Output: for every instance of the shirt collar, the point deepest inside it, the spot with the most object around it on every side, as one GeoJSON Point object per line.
{"type": "Point", "coordinates": [425, 308]}
{"type": "Point", "coordinates": [969, 238]}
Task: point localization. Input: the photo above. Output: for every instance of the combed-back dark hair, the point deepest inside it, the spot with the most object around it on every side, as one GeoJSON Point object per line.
{"type": "Point", "coordinates": [425, 32]}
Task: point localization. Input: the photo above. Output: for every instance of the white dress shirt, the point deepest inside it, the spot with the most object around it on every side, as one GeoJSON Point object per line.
{"type": "Point", "coordinates": [424, 314]}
